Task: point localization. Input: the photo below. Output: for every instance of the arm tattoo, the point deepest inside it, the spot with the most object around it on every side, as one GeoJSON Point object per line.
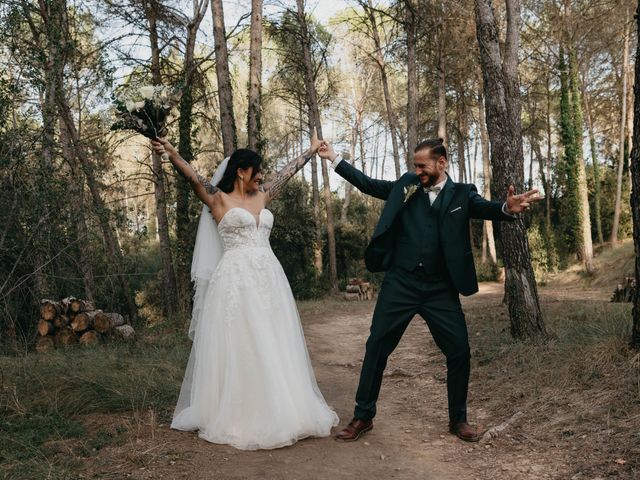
{"type": "Point", "coordinates": [275, 185]}
{"type": "Point", "coordinates": [194, 178]}
{"type": "Point", "coordinates": [211, 189]}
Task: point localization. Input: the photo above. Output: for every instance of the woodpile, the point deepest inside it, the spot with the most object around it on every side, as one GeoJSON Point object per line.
{"type": "Point", "coordinates": [358, 289]}
{"type": "Point", "coordinates": [75, 321]}
{"type": "Point", "coordinates": [624, 291]}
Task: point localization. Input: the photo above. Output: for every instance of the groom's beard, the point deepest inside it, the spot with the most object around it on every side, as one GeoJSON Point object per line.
{"type": "Point", "coordinates": [429, 180]}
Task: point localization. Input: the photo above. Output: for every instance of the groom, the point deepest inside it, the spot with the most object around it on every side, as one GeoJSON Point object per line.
{"type": "Point", "coordinates": [422, 242]}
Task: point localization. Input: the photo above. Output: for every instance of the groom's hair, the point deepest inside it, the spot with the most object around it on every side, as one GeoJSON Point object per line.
{"type": "Point", "coordinates": [436, 145]}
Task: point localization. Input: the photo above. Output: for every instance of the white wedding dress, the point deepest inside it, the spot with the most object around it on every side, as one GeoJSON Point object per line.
{"type": "Point", "coordinates": [249, 382]}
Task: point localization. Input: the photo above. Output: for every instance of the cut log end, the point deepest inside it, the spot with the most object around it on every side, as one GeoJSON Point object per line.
{"type": "Point", "coordinates": [45, 328]}
{"type": "Point", "coordinates": [49, 309]}
{"type": "Point", "coordinates": [102, 323]}
{"type": "Point", "coordinates": [89, 338]}
{"type": "Point", "coordinates": [65, 337]}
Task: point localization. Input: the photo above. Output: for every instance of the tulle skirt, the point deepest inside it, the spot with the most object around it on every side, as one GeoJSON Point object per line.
{"type": "Point", "coordinates": [249, 381]}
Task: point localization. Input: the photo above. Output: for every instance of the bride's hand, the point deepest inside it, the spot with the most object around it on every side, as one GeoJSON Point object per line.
{"type": "Point", "coordinates": [315, 143]}
{"type": "Point", "coordinates": [161, 145]}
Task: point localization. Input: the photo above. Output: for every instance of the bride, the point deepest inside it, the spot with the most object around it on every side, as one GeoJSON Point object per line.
{"type": "Point", "coordinates": [249, 381]}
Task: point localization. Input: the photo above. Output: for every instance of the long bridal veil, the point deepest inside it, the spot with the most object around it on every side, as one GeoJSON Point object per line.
{"type": "Point", "coordinates": [206, 256]}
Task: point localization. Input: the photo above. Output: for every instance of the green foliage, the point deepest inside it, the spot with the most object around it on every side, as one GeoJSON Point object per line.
{"type": "Point", "coordinates": [571, 137]}
{"type": "Point", "coordinates": [293, 239]}
{"type": "Point", "coordinates": [543, 253]}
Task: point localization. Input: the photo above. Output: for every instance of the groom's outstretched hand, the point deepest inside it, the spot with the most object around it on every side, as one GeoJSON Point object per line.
{"type": "Point", "coordinates": [327, 152]}
{"type": "Point", "coordinates": [520, 203]}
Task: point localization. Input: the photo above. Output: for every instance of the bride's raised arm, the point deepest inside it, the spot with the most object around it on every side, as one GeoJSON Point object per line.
{"type": "Point", "coordinates": [201, 186]}
{"type": "Point", "coordinates": [273, 186]}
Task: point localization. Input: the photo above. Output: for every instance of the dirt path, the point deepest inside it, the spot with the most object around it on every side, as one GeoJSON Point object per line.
{"type": "Point", "coordinates": [409, 441]}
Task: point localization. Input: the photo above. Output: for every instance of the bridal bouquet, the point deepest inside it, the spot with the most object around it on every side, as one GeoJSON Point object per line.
{"type": "Point", "coordinates": [146, 109]}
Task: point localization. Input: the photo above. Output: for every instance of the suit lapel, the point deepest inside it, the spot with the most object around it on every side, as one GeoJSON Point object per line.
{"type": "Point", "coordinates": [395, 203]}
{"type": "Point", "coordinates": [447, 195]}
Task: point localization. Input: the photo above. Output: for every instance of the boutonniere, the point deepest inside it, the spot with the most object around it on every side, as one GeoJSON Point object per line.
{"type": "Point", "coordinates": [408, 191]}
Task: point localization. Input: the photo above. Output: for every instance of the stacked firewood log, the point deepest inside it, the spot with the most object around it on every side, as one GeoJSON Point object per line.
{"type": "Point", "coordinates": [75, 321]}
{"type": "Point", "coordinates": [625, 290]}
{"type": "Point", "coordinates": [358, 289]}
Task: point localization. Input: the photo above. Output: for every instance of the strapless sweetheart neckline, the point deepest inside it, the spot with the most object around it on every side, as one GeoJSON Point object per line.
{"type": "Point", "coordinates": [256, 218]}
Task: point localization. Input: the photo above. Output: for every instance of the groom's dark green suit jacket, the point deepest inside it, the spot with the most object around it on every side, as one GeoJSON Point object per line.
{"type": "Point", "coordinates": [396, 241]}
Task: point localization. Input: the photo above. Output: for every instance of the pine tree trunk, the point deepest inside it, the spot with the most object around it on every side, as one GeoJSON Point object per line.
{"type": "Point", "coordinates": [487, 230]}
{"type": "Point", "coordinates": [255, 78]}
{"type": "Point", "coordinates": [623, 118]}
{"type": "Point", "coordinates": [184, 225]}
{"type": "Point", "coordinates": [348, 188]}
{"type": "Point", "coordinates": [460, 134]}
{"type": "Point", "coordinates": [412, 82]}
{"type": "Point", "coordinates": [315, 115]}
{"type": "Point", "coordinates": [382, 66]}
{"type": "Point", "coordinates": [225, 93]}
{"type": "Point", "coordinates": [442, 94]}
{"type": "Point", "coordinates": [595, 164]}
{"type": "Point", "coordinates": [169, 276]}
{"type": "Point", "coordinates": [635, 194]}
{"type": "Point", "coordinates": [547, 177]}
{"type": "Point", "coordinates": [501, 91]}
{"type": "Point", "coordinates": [586, 244]}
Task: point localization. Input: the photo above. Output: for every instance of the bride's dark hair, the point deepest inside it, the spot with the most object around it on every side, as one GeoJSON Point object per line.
{"type": "Point", "coordinates": [241, 158]}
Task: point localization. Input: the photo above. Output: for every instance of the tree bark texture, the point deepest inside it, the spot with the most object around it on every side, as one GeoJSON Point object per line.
{"type": "Point", "coordinates": [635, 194]}
{"type": "Point", "coordinates": [314, 113]}
{"type": "Point", "coordinates": [254, 113]}
{"type": "Point", "coordinates": [169, 276]}
{"type": "Point", "coordinates": [225, 93]}
{"type": "Point", "coordinates": [382, 66]}
{"type": "Point", "coordinates": [623, 118]}
{"type": "Point", "coordinates": [501, 92]}
{"type": "Point", "coordinates": [412, 81]}
{"type": "Point", "coordinates": [489, 243]}
{"type": "Point", "coordinates": [184, 231]}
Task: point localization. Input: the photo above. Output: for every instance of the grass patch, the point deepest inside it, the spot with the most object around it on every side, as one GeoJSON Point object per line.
{"type": "Point", "coordinates": [581, 390]}
{"type": "Point", "coordinates": [45, 399]}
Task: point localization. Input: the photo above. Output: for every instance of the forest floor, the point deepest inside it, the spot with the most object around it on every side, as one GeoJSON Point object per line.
{"type": "Point", "coordinates": [569, 409]}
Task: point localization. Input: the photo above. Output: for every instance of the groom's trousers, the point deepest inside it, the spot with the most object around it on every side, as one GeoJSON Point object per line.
{"type": "Point", "coordinates": [404, 294]}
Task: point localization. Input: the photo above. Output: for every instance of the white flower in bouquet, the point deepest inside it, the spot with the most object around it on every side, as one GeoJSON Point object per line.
{"type": "Point", "coordinates": [147, 92]}
{"type": "Point", "coordinates": [145, 109]}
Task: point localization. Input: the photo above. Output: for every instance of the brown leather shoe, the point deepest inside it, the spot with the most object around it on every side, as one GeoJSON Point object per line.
{"type": "Point", "coordinates": [354, 430]}
{"type": "Point", "coordinates": [465, 432]}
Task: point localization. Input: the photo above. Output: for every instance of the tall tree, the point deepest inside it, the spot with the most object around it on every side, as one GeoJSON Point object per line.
{"type": "Point", "coordinates": [255, 78]}
{"type": "Point", "coordinates": [184, 234]}
{"type": "Point", "coordinates": [501, 93]}
{"type": "Point", "coordinates": [635, 192]}
{"type": "Point", "coordinates": [411, 31]}
{"type": "Point", "coordinates": [152, 9]}
{"type": "Point", "coordinates": [382, 66]}
{"type": "Point", "coordinates": [314, 114]}
{"type": "Point", "coordinates": [578, 230]}
{"type": "Point", "coordinates": [225, 92]}
{"type": "Point", "coordinates": [595, 165]}
{"type": "Point", "coordinates": [488, 239]}
{"type": "Point", "coordinates": [623, 119]}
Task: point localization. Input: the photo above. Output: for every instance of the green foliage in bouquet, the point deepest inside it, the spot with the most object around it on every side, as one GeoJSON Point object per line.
{"type": "Point", "coordinates": [146, 110]}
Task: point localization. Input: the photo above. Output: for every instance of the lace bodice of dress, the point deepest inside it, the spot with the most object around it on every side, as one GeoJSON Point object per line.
{"type": "Point", "coordinates": [239, 228]}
